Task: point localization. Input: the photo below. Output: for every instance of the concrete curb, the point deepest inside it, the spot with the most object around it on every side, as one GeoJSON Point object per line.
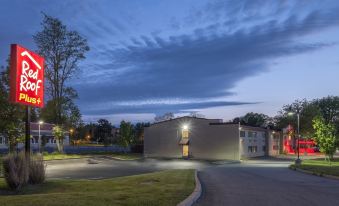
{"type": "Point", "coordinates": [316, 174]}
{"type": "Point", "coordinates": [74, 158]}
{"type": "Point", "coordinates": [190, 200]}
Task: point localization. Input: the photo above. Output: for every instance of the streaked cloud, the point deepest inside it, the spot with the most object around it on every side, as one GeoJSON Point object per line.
{"type": "Point", "coordinates": [151, 57]}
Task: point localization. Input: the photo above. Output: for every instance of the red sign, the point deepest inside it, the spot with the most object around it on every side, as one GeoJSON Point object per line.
{"type": "Point", "coordinates": [26, 77]}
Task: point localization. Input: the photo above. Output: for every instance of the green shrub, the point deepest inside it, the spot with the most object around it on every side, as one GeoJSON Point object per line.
{"type": "Point", "coordinates": [37, 169]}
{"type": "Point", "coordinates": [55, 153]}
{"type": "Point", "coordinates": [16, 171]}
{"type": "Point", "coordinates": [45, 153]}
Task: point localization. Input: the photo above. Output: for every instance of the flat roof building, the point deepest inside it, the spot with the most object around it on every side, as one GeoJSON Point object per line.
{"type": "Point", "coordinates": [211, 139]}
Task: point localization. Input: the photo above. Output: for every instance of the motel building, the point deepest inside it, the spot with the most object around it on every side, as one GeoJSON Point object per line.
{"type": "Point", "coordinates": [46, 132]}
{"type": "Point", "coordinates": [210, 139]}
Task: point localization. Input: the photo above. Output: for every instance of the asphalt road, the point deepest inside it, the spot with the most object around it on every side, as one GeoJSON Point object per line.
{"type": "Point", "coordinates": [100, 167]}
{"type": "Point", "coordinates": [254, 182]}
{"type": "Point", "coordinates": [265, 182]}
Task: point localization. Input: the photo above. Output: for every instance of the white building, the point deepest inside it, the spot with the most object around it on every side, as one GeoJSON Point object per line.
{"type": "Point", "coordinates": [256, 142]}
{"type": "Point", "coordinates": [46, 133]}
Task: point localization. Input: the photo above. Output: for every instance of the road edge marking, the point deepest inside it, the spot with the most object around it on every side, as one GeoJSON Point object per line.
{"type": "Point", "coordinates": [194, 196]}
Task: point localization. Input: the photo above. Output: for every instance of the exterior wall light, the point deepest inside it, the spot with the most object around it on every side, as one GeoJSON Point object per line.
{"type": "Point", "coordinates": [185, 126]}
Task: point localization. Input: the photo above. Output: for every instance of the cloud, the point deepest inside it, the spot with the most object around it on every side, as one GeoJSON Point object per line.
{"type": "Point", "coordinates": [158, 108]}
{"type": "Point", "coordinates": [198, 56]}
{"type": "Point", "coordinates": [204, 64]}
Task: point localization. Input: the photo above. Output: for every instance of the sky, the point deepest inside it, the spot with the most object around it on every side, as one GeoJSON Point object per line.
{"type": "Point", "coordinates": [221, 59]}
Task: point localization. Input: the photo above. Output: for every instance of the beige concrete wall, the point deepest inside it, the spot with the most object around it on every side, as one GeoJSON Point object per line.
{"type": "Point", "coordinates": [162, 140]}
{"type": "Point", "coordinates": [216, 142]}
{"type": "Point", "coordinates": [206, 141]}
{"type": "Point", "coordinates": [274, 145]}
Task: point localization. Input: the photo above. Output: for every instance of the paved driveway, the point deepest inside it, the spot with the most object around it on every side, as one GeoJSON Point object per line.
{"type": "Point", "coordinates": [265, 182]}
{"type": "Point", "coordinates": [100, 167]}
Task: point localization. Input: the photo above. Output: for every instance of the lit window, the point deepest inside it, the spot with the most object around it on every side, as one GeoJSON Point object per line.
{"type": "Point", "coordinates": [184, 133]}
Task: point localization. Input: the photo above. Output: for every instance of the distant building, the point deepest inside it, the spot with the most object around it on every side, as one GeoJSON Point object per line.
{"type": "Point", "coordinates": [46, 133]}
{"type": "Point", "coordinates": [200, 138]}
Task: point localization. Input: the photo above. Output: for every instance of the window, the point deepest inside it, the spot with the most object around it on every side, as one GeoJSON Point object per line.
{"type": "Point", "coordinates": [252, 149]}
{"type": "Point", "coordinates": [184, 133]}
{"type": "Point", "coordinates": [275, 147]}
{"type": "Point", "coordinates": [254, 134]}
{"type": "Point", "coordinates": [250, 134]}
{"type": "Point", "coordinates": [2, 140]}
{"type": "Point", "coordinates": [264, 148]}
{"type": "Point", "coordinates": [242, 133]}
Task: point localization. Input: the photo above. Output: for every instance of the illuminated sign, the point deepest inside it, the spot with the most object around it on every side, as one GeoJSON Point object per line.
{"type": "Point", "coordinates": [26, 77]}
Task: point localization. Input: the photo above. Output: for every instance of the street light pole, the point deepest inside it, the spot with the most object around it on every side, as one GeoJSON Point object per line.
{"type": "Point", "coordinates": [298, 160]}
{"type": "Point", "coordinates": [298, 149]}
{"type": "Point", "coordinates": [39, 139]}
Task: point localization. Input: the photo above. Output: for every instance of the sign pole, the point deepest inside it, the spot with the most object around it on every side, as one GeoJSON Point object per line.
{"type": "Point", "coordinates": [28, 133]}
{"type": "Point", "coordinates": [26, 84]}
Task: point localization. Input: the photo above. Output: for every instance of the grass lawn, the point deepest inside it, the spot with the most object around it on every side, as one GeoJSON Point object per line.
{"type": "Point", "coordinates": [57, 156]}
{"type": "Point", "coordinates": [160, 188]}
{"type": "Point", "coordinates": [320, 166]}
{"type": "Point", "coordinates": [54, 156]}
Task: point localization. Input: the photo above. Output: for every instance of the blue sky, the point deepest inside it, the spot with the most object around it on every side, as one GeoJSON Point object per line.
{"type": "Point", "coordinates": [220, 58]}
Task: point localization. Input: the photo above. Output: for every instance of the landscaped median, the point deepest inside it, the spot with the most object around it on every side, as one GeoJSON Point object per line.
{"type": "Point", "coordinates": [319, 167]}
{"type": "Point", "coordinates": [159, 188]}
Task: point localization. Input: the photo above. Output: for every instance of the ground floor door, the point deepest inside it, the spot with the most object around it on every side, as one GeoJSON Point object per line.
{"type": "Point", "coordinates": [185, 150]}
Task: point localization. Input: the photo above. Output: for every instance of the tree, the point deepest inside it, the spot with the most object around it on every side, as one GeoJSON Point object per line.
{"type": "Point", "coordinates": [164, 117]}
{"type": "Point", "coordinates": [126, 134]}
{"type": "Point", "coordinates": [59, 136]}
{"type": "Point", "coordinates": [139, 131]}
{"type": "Point", "coordinates": [103, 131]}
{"type": "Point", "coordinates": [62, 50]}
{"type": "Point", "coordinates": [307, 110]}
{"type": "Point", "coordinates": [329, 108]}
{"type": "Point", "coordinates": [325, 136]}
{"type": "Point", "coordinates": [255, 120]}
{"type": "Point", "coordinates": [74, 120]}
{"type": "Point", "coordinates": [11, 115]}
